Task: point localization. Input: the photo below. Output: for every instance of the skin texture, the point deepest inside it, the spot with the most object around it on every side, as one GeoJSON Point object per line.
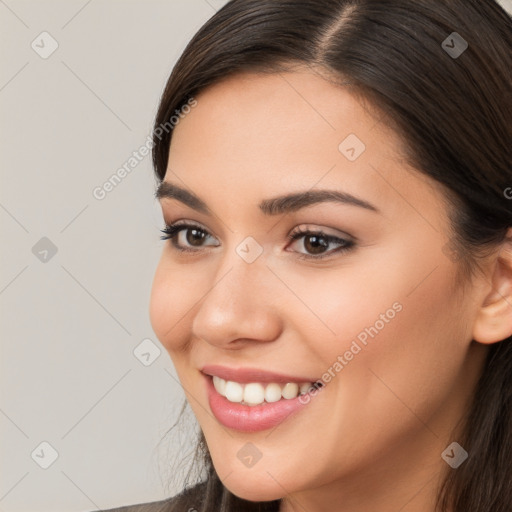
{"type": "Point", "coordinates": [372, 438]}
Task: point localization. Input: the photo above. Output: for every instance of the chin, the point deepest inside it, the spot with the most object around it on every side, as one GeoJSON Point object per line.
{"type": "Point", "coordinates": [263, 488]}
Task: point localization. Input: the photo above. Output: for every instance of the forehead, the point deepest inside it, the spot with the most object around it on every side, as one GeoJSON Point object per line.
{"type": "Point", "coordinates": [265, 134]}
{"type": "Point", "coordinates": [297, 105]}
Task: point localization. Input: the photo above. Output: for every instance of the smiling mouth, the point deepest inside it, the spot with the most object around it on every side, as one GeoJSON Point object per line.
{"type": "Point", "coordinates": [256, 393]}
{"type": "Point", "coordinates": [244, 406]}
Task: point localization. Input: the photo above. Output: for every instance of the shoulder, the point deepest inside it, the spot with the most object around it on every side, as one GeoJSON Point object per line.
{"type": "Point", "coordinates": [189, 498]}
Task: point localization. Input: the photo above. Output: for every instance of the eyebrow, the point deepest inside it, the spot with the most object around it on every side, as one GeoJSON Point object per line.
{"type": "Point", "coordinates": [274, 206]}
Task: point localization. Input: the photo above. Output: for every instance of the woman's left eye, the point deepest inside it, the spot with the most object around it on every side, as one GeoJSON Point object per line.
{"type": "Point", "coordinates": [315, 242]}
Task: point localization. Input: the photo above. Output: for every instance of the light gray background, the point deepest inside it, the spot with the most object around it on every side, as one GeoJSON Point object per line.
{"type": "Point", "coordinates": [70, 324]}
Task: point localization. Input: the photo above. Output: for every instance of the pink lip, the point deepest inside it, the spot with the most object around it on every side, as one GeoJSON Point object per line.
{"type": "Point", "coordinates": [246, 375]}
{"type": "Point", "coordinates": [247, 418]}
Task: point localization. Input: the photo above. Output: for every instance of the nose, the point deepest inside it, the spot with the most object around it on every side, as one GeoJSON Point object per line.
{"type": "Point", "coordinates": [240, 305]}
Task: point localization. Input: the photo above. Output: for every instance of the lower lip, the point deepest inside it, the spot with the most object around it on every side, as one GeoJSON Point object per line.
{"type": "Point", "coordinates": [249, 418]}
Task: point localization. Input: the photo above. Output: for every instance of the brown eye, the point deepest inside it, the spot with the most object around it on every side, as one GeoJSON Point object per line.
{"type": "Point", "coordinates": [316, 244]}
{"type": "Point", "coordinates": [194, 236]}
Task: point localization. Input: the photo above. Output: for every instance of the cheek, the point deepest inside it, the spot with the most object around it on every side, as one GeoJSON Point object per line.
{"type": "Point", "coordinates": [408, 366]}
{"type": "Point", "coordinates": [402, 338]}
{"type": "Point", "coordinates": [171, 298]}
{"type": "Point", "coordinates": [331, 310]}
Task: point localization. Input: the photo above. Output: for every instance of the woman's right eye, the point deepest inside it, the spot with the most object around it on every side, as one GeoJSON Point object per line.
{"type": "Point", "coordinates": [184, 233]}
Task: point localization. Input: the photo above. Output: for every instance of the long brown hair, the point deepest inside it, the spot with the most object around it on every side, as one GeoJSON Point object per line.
{"type": "Point", "coordinates": [454, 114]}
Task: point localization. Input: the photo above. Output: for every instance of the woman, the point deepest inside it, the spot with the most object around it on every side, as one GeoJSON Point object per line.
{"type": "Point", "coordinates": [335, 288]}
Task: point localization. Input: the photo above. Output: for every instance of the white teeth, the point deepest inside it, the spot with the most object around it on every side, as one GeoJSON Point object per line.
{"type": "Point", "coordinates": [233, 391]}
{"type": "Point", "coordinates": [273, 393]}
{"type": "Point", "coordinates": [255, 393]}
{"type": "Point", "coordinates": [304, 388]}
{"type": "Point", "coordinates": [220, 384]}
{"type": "Point", "coordinates": [290, 390]}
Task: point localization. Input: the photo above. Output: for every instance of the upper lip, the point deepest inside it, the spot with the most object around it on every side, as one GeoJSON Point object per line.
{"type": "Point", "coordinates": [245, 375]}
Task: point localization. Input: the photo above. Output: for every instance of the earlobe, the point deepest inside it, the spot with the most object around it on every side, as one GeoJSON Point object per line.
{"type": "Point", "coordinates": [494, 319]}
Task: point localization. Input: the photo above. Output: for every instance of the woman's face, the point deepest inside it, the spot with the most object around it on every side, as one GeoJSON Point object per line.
{"type": "Point", "coordinates": [377, 318]}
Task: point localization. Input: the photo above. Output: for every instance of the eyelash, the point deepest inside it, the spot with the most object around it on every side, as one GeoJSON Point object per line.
{"type": "Point", "coordinates": [170, 233]}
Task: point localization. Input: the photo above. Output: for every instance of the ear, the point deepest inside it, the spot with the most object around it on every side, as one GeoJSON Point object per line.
{"type": "Point", "coordinates": [494, 319]}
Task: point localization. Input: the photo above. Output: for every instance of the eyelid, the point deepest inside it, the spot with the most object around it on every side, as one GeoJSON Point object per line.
{"type": "Point", "coordinates": [309, 228]}
{"type": "Point", "coordinates": [324, 230]}
{"type": "Point", "coordinates": [185, 221]}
